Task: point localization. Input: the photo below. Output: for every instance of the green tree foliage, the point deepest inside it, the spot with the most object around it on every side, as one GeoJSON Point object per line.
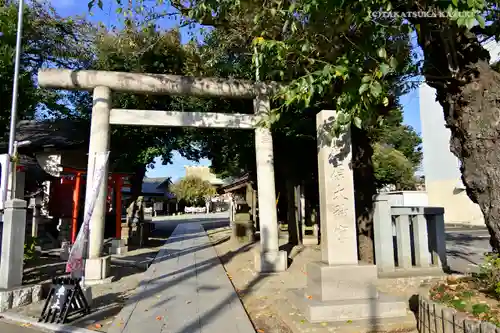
{"type": "Point", "coordinates": [146, 51]}
{"type": "Point", "coordinates": [397, 152]}
{"type": "Point", "coordinates": [133, 148]}
{"type": "Point", "coordinates": [192, 190]}
{"type": "Point", "coordinates": [332, 61]}
{"type": "Point", "coordinates": [393, 168]}
{"type": "Point", "coordinates": [315, 34]}
{"type": "Point", "coordinates": [224, 55]}
{"type": "Point", "coordinates": [47, 39]}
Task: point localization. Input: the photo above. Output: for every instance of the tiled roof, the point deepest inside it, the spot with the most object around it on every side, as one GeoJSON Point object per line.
{"type": "Point", "coordinates": [57, 134]}
{"type": "Point", "coordinates": [158, 185]}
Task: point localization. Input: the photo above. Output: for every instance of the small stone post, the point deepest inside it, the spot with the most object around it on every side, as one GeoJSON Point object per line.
{"type": "Point", "coordinates": [12, 257]}
{"type": "Point", "coordinates": [96, 266]}
{"type": "Point", "coordinates": [382, 225]}
{"type": "Point", "coordinates": [437, 236]}
{"type": "Point", "coordinates": [270, 258]}
{"type": "Point", "coordinates": [36, 220]}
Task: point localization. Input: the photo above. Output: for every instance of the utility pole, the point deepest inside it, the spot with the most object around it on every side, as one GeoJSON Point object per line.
{"type": "Point", "coordinates": [13, 111]}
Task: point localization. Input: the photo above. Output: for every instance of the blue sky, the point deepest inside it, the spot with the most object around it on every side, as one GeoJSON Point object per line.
{"type": "Point", "coordinates": [175, 170]}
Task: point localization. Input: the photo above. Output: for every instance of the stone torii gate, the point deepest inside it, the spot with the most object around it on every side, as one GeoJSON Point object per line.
{"type": "Point", "coordinates": [103, 83]}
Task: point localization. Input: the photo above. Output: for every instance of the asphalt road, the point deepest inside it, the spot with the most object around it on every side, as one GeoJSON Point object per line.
{"type": "Point", "coordinates": [466, 247]}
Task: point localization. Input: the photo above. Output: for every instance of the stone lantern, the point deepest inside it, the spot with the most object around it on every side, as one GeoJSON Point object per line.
{"type": "Point", "coordinates": [243, 226]}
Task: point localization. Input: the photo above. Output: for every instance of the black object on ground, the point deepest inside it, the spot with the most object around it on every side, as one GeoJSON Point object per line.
{"type": "Point", "coordinates": [66, 299]}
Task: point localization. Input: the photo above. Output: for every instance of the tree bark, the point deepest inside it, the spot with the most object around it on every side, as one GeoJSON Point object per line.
{"type": "Point", "coordinates": [293, 226]}
{"type": "Point", "coordinates": [136, 182]}
{"type": "Point", "coordinates": [365, 189]}
{"type": "Point", "coordinates": [468, 89]}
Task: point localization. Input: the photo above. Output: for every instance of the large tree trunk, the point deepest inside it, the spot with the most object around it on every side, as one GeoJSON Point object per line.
{"type": "Point", "coordinates": [365, 189]}
{"type": "Point", "coordinates": [457, 66]}
{"type": "Point", "coordinates": [136, 182]}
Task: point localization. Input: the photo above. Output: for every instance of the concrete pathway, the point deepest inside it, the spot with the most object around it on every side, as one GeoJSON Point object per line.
{"type": "Point", "coordinates": [186, 291]}
{"type": "Point", "coordinates": [14, 328]}
{"type": "Point", "coordinates": [165, 225]}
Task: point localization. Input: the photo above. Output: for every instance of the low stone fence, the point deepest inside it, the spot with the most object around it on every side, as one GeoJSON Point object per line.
{"type": "Point", "coordinates": [195, 210]}
{"type": "Point", "coordinates": [21, 296]}
{"type": "Point", "coordinates": [408, 240]}
{"type": "Point", "coordinates": [437, 318]}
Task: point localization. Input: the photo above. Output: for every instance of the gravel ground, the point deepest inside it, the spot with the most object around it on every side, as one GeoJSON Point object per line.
{"type": "Point", "coordinates": [264, 296]}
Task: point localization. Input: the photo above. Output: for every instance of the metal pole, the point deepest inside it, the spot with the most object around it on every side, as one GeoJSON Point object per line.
{"type": "Point", "coordinates": [15, 84]}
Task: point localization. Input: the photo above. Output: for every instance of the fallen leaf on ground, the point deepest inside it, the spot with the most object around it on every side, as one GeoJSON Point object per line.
{"type": "Point", "coordinates": [97, 325]}
{"type": "Point", "coordinates": [324, 324]}
{"type": "Point", "coordinates": [260, 331]}
{"type": "Point", "coordinates": [302, 321]}
{"type": "Point", "coordinates": [309, 297]}
{"type": "Point", "coordinates": [159, 318]}
{"type": "Point", "coordinates": [349, 321]}
{"type": "Point", "coordinates": [26, 325]}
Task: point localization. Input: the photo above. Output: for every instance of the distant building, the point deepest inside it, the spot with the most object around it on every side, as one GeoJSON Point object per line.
{"type": "Point", "coordinates": [156, 187]}
{"type": "Point", "coordinates": [204, 173]}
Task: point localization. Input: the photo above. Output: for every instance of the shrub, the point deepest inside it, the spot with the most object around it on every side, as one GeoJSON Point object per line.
{"type": "Point", "coordinates": [489, 276]}
{"type": "Point", "coordinates": [30, 249]}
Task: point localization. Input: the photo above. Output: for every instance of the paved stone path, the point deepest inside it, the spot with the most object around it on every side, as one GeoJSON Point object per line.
{"type": "Point", "coordinates": [187, 291]}
{"type": "Point", "coordinates": [14, 328]}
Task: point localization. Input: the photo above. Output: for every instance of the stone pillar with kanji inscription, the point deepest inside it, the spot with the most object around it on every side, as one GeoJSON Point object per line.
{"type": "Point", "coordinates": [338, 287]}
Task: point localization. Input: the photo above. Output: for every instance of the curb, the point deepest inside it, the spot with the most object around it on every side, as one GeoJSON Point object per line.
{"type": "Point", "coordinates": [33, 322]}
{"type": "Point", "coordinates": [452, 226]}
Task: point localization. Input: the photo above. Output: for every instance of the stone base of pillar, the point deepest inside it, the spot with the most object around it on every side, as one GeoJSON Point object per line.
{"type": "Point", "coordinates": [376, 311]}
{"type": "Point", "coordinates": [97, 269]}
{"type": "Point", "coordinates": [243, 231]}
{"type": "Point", "coordinates": [347, 292]}
{"type": "Point", "coordinates": [64, 228]}
{"type": "Point", "coordinates": [65, 250]}
{"type": "Point", "coordinates": [333, 283]}
{"type": "Point", "coordinates": [87, 293]}
{"type": "Point", "coordinates": [118, 246]}
{"type": "Point", "coordinates": [271, 262]}
{"type": "Point", "coordinates": [13, 237]}
{"type": "Point", "coordinates": [310, 240]}
{"type": "Point", "coordinates": [125, 235]}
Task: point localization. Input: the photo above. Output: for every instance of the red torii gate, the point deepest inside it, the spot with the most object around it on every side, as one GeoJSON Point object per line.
{"type": "Point", "coordinates": [116, 181]}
